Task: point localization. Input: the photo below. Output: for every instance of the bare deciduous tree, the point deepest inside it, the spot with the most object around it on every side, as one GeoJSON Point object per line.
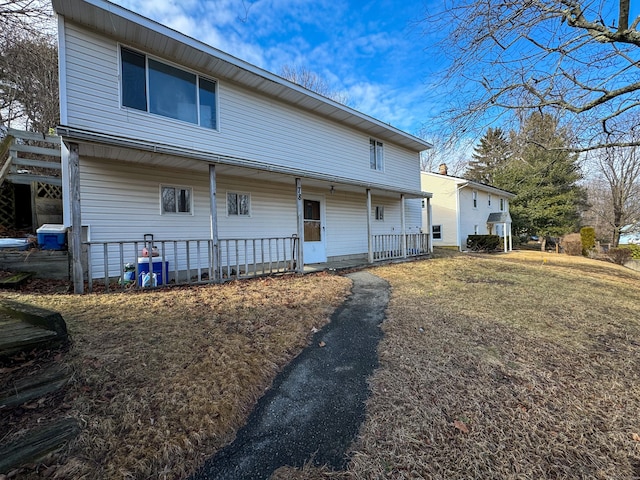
{"type": "Point", "coordinates": [312, 81]}
{"type": "Point", "coordinates": [615, 193]}
{"type": "Point", "coordinates": [28, 65]}
{"type": "Point", "coordinates": [576, 59]}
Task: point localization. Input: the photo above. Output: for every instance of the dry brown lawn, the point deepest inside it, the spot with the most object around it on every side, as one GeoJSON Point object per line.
{"type": "Point", "coordinates": [510, 366]}
{"type": "Point", "coordinates": [165, 378]}
{"type": "Point", "coordinates": [516, 366]}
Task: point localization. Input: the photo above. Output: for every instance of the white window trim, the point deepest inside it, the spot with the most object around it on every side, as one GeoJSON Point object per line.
{"type": "Point", "coordinates": [379, 213]}
{"type": "Point", "coordinates": [488, 199]}
{"type": "Point", "coordinates": [474, 198]}
{"type": "Point", "coordinates": [177, 187]}
{"type": "Point", "coordinates": [179, 67]}
{"type": "Point", "coordinates": [503, 204]}
{"type": "Point", "coordinates": [237, 215]}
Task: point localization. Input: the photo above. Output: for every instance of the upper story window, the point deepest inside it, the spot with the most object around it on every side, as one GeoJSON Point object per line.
{"type": "Point", "coordinates": [474, 196]}
{"type": "Point", "coordinates": [175, 199]}
{"type": "Point", "coordinates": [152, 86]}
{"type": "Point", "coordinates": [376, 155]}
{"type": "Point", "coordinates": [489, 199]}
{"type": "Point", "coordinates": [502, 204]}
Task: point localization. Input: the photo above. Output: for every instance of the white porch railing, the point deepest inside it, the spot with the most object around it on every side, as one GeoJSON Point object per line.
{"type": "Point", "coordinates": [120, 265]}
{"type": "Point", "coordinates": [389, 246]}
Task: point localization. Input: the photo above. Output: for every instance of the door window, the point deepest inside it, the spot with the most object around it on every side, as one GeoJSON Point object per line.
{"type": "Point", "coordinates": [312, 227]}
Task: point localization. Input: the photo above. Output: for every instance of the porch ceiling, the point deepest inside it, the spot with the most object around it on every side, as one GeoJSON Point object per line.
{"type": "Point", "coordinates": [115, 148]}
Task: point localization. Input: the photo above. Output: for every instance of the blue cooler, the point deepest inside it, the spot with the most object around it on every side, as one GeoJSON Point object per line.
{"type": "Point", "coordinates": [162, 278]}
{"type": "Point", "coordinates": [52, 236]}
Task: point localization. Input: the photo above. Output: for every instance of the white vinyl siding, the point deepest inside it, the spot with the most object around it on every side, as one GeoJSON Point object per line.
{"type": "Point", "coordinates": [252, 127]}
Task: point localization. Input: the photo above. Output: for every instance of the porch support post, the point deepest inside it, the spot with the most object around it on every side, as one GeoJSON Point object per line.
{"type": "Point", "coordinates": [403, 229]}
{"type": "Point", "coordinates": [369, 238]}
{"type": "Point", "coordinates": [76, 219]}
{"type": "Point", "coordinates": [506, 238]}
{"type": "Point", "coordinates": [300, 225]}
{"type": "Point", "coordinates": [429, 225]}
{"type": "Point", "coordinates": [510, 239]}
{"type": "Point", "coordinates": [213, 214]}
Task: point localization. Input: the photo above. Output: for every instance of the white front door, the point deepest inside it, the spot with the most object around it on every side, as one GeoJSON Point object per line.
{"type": "Point", "coordinates": [314, 237]}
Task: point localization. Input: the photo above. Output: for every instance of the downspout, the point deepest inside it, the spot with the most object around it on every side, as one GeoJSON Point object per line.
{"type": "Point", "coordinates": [458, 216]}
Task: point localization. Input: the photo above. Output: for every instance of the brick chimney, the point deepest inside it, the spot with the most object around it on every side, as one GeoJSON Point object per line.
{"type": "Point", "coordinates": [442, 169]}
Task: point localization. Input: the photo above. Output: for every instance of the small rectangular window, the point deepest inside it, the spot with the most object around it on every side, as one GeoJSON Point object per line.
{"type": "Point", "coordinates": [436, 232]}
{"type": "Point", "coordinates": [474, 196]}
{"type": "Point", "coordinates": [475, 230]}
{"type": "Point", "coordinates": [238, 204]}
{"type": "Point", "coordinates": [379, 212]}
{"type": "Point", "coordinates": [208, 104]}
{"type": "Point", "coordinates": [489, 199]}
{"type": "Point", "coordinates": [175, 199]}
{"type": "Point", "coordinates": [502, 204]}
{"type": "Point", "coordinates": [134, 80]}
{"type": "Point", "coordinates": [376, 155]}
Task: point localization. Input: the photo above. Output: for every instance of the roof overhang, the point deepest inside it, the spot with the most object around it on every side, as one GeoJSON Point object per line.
{"type": "Point", "coordinates": [137, 31]}
{"type": "Point", "coordinates": [197, 157]}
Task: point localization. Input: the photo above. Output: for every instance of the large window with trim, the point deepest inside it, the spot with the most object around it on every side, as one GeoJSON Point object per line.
{"type": "Point", "coordinates": [436, 232]}
{"type": "Point", "coordinates": [156, 87]}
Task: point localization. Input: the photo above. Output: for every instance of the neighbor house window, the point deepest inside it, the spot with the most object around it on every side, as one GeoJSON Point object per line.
{"type": "Point", "coordinates": [474, 196]}
{"type": "Point", "coordinates": [175, 199]}
{"type": "Point", "coordinates": [376, 155]}
{"type": "Point", "coordinates": [502, 204]}
{"type": "Point", "coordinates": [436, 232]}
{"type": "Point", "coordinates": [379, 212]}
{"type": "Point", "coordinates": [475, 230]}
{"type": "Point", "coordinates": [488, 199]}
{"type": "Point", "coordinates": [238, 204]}
{"type": "Point", "coordinates": [156, 87]}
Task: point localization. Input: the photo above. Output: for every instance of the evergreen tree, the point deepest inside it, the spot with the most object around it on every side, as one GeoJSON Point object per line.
{"type": "Point", "coordinates": [545, 179]}
{"type": "Point", "coordinates": [488, 157]}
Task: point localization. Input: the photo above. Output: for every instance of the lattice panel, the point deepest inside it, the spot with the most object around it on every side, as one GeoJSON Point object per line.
{"type": "Point", "coordinates": [46, 190]}
{"type": "Point", "coordinates": [7, 205]}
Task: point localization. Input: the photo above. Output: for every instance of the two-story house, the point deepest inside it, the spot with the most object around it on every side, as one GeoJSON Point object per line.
{"type": "Point", "coordinates": [460, 208]}
{"type": "Point", "coordinates": [232, 169]}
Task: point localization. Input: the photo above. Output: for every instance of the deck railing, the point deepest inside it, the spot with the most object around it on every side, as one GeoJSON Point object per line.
{"type": "Point", "coordinates": [121, 265]}
{"type": "Point", "coordinates": [389, 246]}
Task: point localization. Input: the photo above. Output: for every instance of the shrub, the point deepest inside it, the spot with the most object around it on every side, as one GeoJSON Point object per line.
{"type": "Point", "coordinates": [588, 239]}
{"type": "Point", "coordinates": [572, 244]}
{"type": "Point", "coordinates": [483, 243]}
{"type": "Point", "coordinates": [619, 256]}
{"type": "Point", "coordinates": [635, 250]}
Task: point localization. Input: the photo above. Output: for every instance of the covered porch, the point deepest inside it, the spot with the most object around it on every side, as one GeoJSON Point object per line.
{"type": "Point", "coordinates": [314, 221]}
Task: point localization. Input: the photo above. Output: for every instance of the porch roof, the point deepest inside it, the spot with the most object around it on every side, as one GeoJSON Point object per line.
{"type": "Point", "coordinates": [92, 144]}
{"type": "Point", "coordinates": [128, 27]}
{"type": "Point", "coordinates": [499, 217]}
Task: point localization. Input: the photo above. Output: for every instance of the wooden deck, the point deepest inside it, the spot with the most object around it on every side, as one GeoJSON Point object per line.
{"type": "Point", "coordinates": [16, 334]}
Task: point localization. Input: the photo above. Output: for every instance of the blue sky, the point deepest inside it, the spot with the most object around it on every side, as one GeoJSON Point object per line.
{"type": "Point", "coordinates": [372, 51]}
